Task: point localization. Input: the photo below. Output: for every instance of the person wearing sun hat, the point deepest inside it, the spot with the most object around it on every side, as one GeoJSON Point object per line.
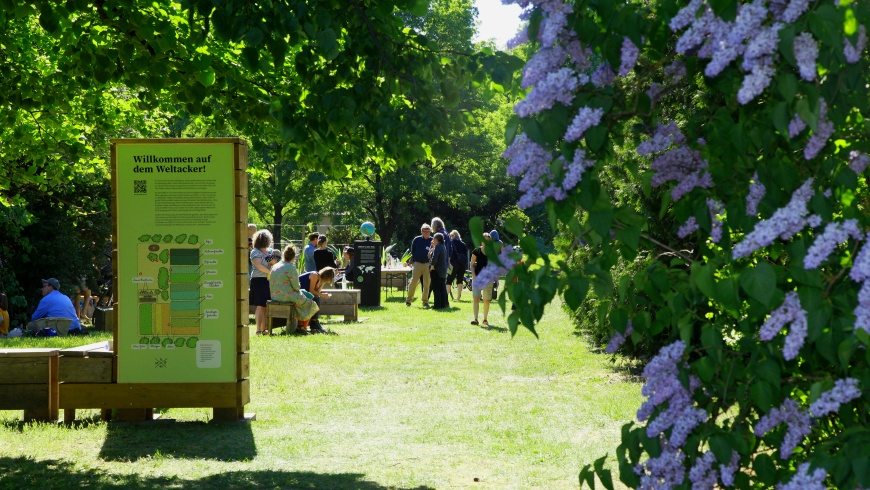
{"type": "Point", "coordinates": [55, 305]}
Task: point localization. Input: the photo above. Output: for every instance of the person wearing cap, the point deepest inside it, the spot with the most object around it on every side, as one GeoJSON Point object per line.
{"type": "Point", "coordinates": [419, 263]}
{"type": "Point", "coordinates": [55, 305]}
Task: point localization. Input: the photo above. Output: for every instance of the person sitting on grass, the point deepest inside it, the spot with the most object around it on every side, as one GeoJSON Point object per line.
{"type": "Point", "coordinates": [284, 286]}
{"type": "Point", "coordinates": [56, 306]}
{"type": "Point", "coordinates": [313, 282]}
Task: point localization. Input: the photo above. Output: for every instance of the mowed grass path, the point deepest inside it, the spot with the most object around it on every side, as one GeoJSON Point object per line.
{"type": "Point", "coordinates": [407, 398]}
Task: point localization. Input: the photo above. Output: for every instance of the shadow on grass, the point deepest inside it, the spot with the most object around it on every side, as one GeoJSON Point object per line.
{"type": "Point", "coordinates": [23, 472]}
{"type": "Point", "coordinates": [494, 328]}
{"type": "Point", "coordinates": [194, 440]}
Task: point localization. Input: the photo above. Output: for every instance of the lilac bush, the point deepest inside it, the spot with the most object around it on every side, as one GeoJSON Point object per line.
{"type": "Point", "coordinates": [722, 146]}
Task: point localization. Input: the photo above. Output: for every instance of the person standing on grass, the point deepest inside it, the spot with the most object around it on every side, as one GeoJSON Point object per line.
{"type": "Point", "coordinates": [419, 262]}
{"type": "Point", "coordinates": [459, 261]}
{"type": "Point", "coordinates": [438, 229]}
{"type": "Point", "coordinates": [262, 260]}
{"type": "Point", "coordinates": [323, 257]}
{"type": "Point", "coordinates": [438, 265]}
{"type": "Point", "coordinates": [308, 253]}
{"type": "Point", "coordinates": [284, 286]}
{"type": "Point", "coordinates": [478, 262]}
{"type": "Point", "coordinates": [314, 282]}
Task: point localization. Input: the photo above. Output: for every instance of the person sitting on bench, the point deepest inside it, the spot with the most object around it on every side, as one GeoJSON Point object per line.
{"type": "Point", "coordinates": [284, 286]}
{"type": "Point", "coordinates": [55, 305]}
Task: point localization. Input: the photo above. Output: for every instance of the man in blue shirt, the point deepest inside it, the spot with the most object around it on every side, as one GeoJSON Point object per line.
{"type": "Point", "coordinates": [55, 304]}
{"type": "Point", "coordinates": [308, 253]}
{"type": "Point", "coordinates": [420, 264]}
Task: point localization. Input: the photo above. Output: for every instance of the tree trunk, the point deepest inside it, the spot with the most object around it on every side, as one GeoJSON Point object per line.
{"type": "Point", "coordinates": [279, 216]}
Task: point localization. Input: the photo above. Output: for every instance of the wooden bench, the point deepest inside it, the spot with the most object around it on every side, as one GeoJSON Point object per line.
{"type": "Point", "coordinates": [286, 311]}
{"type": "Point", "coordinates": [91, 363]}
{"type": "Point", "coordinates": [29, 382]}
{"type": "Point", "coordinates": [341, 302]}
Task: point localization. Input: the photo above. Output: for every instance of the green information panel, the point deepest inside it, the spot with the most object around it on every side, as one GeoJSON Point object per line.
{"type": "Point", "coordinates": [176, 269]}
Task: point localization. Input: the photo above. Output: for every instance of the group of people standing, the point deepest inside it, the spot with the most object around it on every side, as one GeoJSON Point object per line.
{"type": "Point", "coordinates": [275, 277]}
{"type": "Point", "coordinates": [433, 252]}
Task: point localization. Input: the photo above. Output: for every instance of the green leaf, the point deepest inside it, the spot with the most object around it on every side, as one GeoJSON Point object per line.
{"type": "Point", "coordinates": [787, 85]}
{"type": "Point", "coordinates": [595, 137]}
{"type": "Point", "coordinates": [759, 283]}
{"type": "Point", "coordinates": [475, 225]}
{"type": "Point", "coordinates": [765, 468]}
{"type": "Point", "coordinates": [761, 394]}
{"type": "Point", "coordinates": [206, 77]}
{"type": "Point", "coordinates": [702, 278]}
{"type": "Point", "coordinates": [514, 225]}
{"type": "Point", "coordinates": [576, 292]}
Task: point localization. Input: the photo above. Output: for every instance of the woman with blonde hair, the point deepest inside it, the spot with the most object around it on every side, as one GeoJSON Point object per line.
{"type": "Point", "coordinates": [284, 286]}
{"type": "Point", "coordinates": [262, 261]}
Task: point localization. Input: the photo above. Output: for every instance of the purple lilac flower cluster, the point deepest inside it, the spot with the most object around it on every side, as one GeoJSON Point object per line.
{"type": "Point", "coordinates": [628, 57]}
{"type": "Point", "coordinates": [797, 421]}
{"type": "Point", "coordinates": [557, 86]}
{"type": "Point", "coordinates": [664, 472]}
{"type": "Point", "coordinates": [676, 70]}
{"type": "Point", "coordinates": [835, 233]}
{"type": "Point", "coordinates": [704, 477]}
{"type": "Point", "coordinates": [603, 75]}
{"type": "Point", "coordinates": [844, 391]}
{"type": "Point", "coordinates": [858, 161]}
{"type": "Point", "coordinates": [789, 312]}
{"type": "Point", "coordinates": [795, 126]}
{"type": "Point", "coordinates": [861, 273]}
{"type": "Point", "coordinates": [492, 271]}
{"type": "Point", "coordinates": [814, 220]}
{"type": "Point", "coordinates": [619, 338]}
{"type": "Point", "coordinates": [586, 118]}
{"type": "Point", "coordinates": [689, 227]}
{"type": "Point", "coordinates": [663, 385]}
{"type": "Point", "coordinates": [717, 215]}
{"type": "Point", "coordinates": [804, 480]}
{"type": "Point", "coordinates": [853, 52]}
{"type": "Point", "coordinates": [824, 130]}
{"type": "Point", "coordinates": [680, 163]}
{"type": "Point", "coordinates": [806, 52]}
{"type": "Point", "coordinates": [708, 36]}
{"type": "Point", "coordinates": [784, 223]}
{"type": "Point", "coordinates": [756, 194]}
{"type": "Point", "coordinates": [663, 137]}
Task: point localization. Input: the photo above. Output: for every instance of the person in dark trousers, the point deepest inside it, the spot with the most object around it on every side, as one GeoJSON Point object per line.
{"type": "Point", "coordinates": [438, 264]}
{"type": "Point", "coordinates": [459, 261]}
{"type": "Point", "coordinates": [438, 229]}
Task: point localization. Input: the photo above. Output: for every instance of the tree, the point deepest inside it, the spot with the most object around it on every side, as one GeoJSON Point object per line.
{"type": "Point", "coordinates": [747, 122]}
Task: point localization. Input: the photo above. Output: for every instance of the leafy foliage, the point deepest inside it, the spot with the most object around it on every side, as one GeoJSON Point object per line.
{"type": "Point", "coordinates": [720, 148]}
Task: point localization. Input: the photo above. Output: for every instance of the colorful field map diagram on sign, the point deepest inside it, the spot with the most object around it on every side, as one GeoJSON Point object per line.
{"type": "Point", "coordinates": [169, 290]}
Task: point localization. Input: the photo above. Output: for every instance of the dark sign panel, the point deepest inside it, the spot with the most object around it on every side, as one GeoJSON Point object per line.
{"type": "Point", "coordinates": [368, 263]}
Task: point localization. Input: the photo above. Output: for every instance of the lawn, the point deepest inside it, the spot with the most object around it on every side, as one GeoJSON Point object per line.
{"type": "Point", "coordinates": [406, 398]}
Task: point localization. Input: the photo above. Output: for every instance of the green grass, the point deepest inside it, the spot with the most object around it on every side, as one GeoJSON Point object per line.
{"type": "Point", "coordinates": [407, 398]}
